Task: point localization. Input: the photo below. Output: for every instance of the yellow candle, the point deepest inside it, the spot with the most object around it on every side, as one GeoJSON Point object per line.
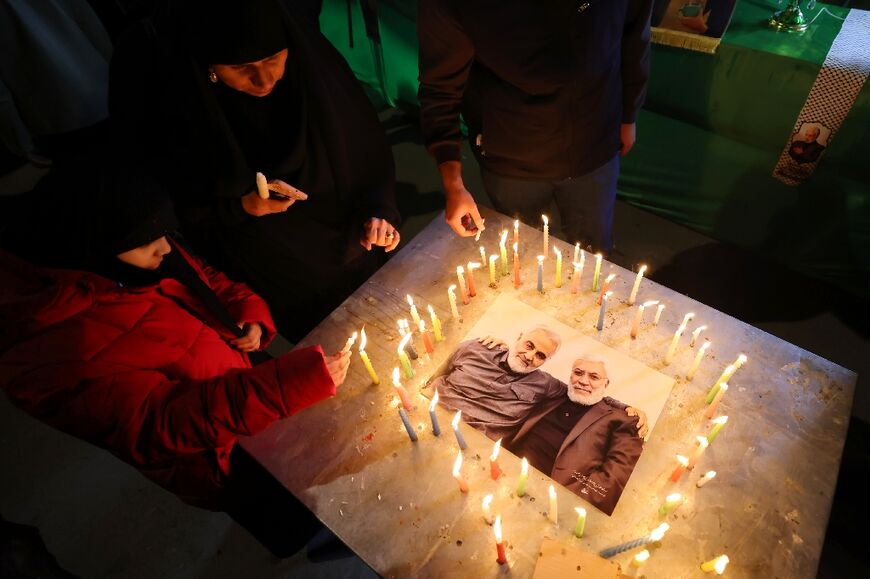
{"type": "Point", "coordinates": [457, 474]}
{"type": "Point", "coordinates": [486, 507]}
{"type": "Point", "coordinates": [638, 318]}
{"type": "Point", "coordinates": [492, 259]}
{"type": "Point", "coordinates": [711, 410]}
{"type": "Point", "coordinates": [695, 335]}
{"type": "Point", "coordinates": [718, 565]}
{"type": "Point", "coordinates": [503, 251]}
{"type": "Point", "coordinates": [546, 236]}
{"type": "Point", "coordinates": [350, 342]}
{"type": "Point", "coordinates": [400, 390]}
{"type": "Point", "coordinates": [708, 476]}
{"type": "Point", "coordinates": [696, 363]}
{"type": "Point", "coordinates": [414, 315]}
{"type": "Point", "coordinates": [451, 297]}
{"type": "Point", "coordinates": [636, 286]}
{"type": "Point", "coordinates": [671, 501]}
{"type": "Point", "coordinates": [596, 275]}
{"type": "Point", "coordinates": [436, 325]}
{"type": "Point", "coordinates": [699, 450]}
{"type": "Point", "coordinates": [262, 186]}
{"type": "Point", "coordinates": [365, 358]}
{"type": "Point", "coordinates": [672, 349]}
{"type": "Point", "coordinates": [581, 522]}
{"type": "Point", "coordinates": [658, 314]}
{"type": "Point", "coordinates": [558, 267]}
{"type": "Point", "coordinates": [554, 506]}
{"type": "Point", "coordinates": [524, 477]}
{"type": "Point", "coordinates": [605, 286]}
{"type": "Point", "coordinates": [640, 558]}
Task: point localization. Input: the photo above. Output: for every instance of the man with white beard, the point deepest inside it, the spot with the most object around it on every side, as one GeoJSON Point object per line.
{"type": "Point", "coordinates": [583, 441]}
{"type": "Point", "coordinates": [498, 388]}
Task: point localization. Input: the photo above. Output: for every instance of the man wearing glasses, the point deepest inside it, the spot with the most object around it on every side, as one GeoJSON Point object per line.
{"type": "Point", "coordinates": [581, 441]}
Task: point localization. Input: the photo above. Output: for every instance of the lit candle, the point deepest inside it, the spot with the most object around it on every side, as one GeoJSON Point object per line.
{"type": "Point", "coordinates": [558, 267]}
{"type": "Point", "coordinates": [457, 474]}
{"type": "Point", "coordinates": [499, 543]}
{"type": "Point", "coordinates": [427, 341]}
{"type": "Point", "coordinates": [400, 390]}
{"type": "Point", "coordinates": [686, 319]}
{"type": "Point", "coordinates": [682, 463]}
{"type": "Point", "coordinates": [708, 476]}
{"type": "Point", "coordinates": [575, 277]}
{"type": "Point", "coordinates": [640, 558]}
{"type": "Point", "coordinates": [605, 286]}
{"type": "Point", "coordinates": [581, 522]}
{"type": "Point", "coordinates": [638, 317]}
{"type": "Point", "coordinates": [459, 438]}
{"type": "Point", "coordinates": [365, 358]}
{"type": "Point", "coordinates": [262, 186]}
{"type": "Point", "coordinates": [604, 299]}
{"type": "Point", "coordinates": [482, 255]}
{"type": "Point", "coordinates": [469, 276]}
{"type": "Point", "coordinates": [487, 509]}
{"type": "Point", "coordinates": [350, 342]}
{"type": "Point", "coordinates": [554, 506]}
{"type": "Point", "coordinates": [401, 324]}
{"type": "Point", "coordinates": [414, 315]}
{"type": "Point", "coordinates": [695, 335]}
{"type": "Point", "coordinates": [516, 231]}
{"type": "Point", "coordinates": [517, 280]}
{"type": "Point", "coordinates": [436, 428]}
{"type": "Point", "coordinates": [502, 247]}
{"type": "Point", "coordinates": [405, 330]}
{"type": "Point", "coordinates": [477, 235]}
{"type": "Point", "coordinates": [407, 422]}
{"type": "Point", "coordinates": [654, 537]}
{"type": "Point", "coordinates": [672, 349]}
{"type": "Point", "coordinates": [696, 363]}
{"type": "Point", "coordinates": [596, 275]}
{"type": "Point", "coordinates": [546, 236]}
{"type": "Point", "coordinates": [699, 450]}
{"type": "Point", "coordinates": [671, 501]}
{"type": "Point", "coordinates": [492, 279]}
{"type": "Point", "coordinates": [711, 410]}
{"type": "Point", "coordinates": [633, 296]}
{"type": "Point", "coordinates": [658, 314]}
{"type": "Point", "coordinates": [436, 325]}
{"type": "Point", "coordinates": [451, 297]}
{"type": "Point", "coordinates": [403, 356]}
{"type": "Point", "coordinates": [541, 273]}
{"type": "Point", "coordinates": [738, 363]}
{"type": "Point", "coordinates": [524, 477]}
{"type": "Point", "coordinates": [494, 468]}
{"type": "Point", "coordinates": [718, 425]}
{"type": "Point", "coordinates": [726, 375]}
{"type": "Point", "coordinates": [718, 565]}
{"type": "Point", "coordinates": [460, 275]}
{"type": "Point", "coordinates": [577, 251]}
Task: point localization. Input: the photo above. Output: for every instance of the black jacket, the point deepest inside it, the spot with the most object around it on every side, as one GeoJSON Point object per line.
{"type": "Point", "coordinates": [542, 86]}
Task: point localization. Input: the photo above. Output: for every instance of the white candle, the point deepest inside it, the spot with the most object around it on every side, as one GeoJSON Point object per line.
{"type": "Point", "coordinates": [695, 335]}
{"type": "Point", "coordinates": [482, 255]}
{"type": "Point", "coordinates": [414, 315]}
{"type": "Point", "coordinates": [658, 314]}
{"type": "Point", "coordinates": [686, 319]}
{"type": "Point", "coordinates": [636, 286]}
{"type": "Point", "coordinates": [708, 476]}
{"type": "Point", "coordinates": [460, 275]}
{"type": "Point", "coordinates": [502, 246]}
{"type": "Point", "coordinates": [672, 349]}
{"type": "Point", "coordinates": [486, 507]}
{"type": "Point", "coordinates": [492, 279]}
{"type": "Point", "coordinates": [546, 235]}
{"type": "Point", "coordinates": [577, 251]}
{"type": "Point", "coordinates": [350, 342]}
{"type": "Point", "coordinates": [262, 186]}
{"type": "Point", "coordinates": [554, 507]}
{"type": "Point", "coordinates": [451, 297]}
{"type": "Point", "coordinates": [696, 363]}
{"type": "Point", "coordinates": [699, 450]}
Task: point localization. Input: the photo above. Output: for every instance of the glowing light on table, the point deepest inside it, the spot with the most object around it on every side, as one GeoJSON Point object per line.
{"type": "Point", "coordinates": [726, 375]}
{"type": "Point", "coordinates": [482, 255]}
{"type": "Point", "coordinates": [577, 251]}
{"type": "Point", "coordinates": [350, 342]}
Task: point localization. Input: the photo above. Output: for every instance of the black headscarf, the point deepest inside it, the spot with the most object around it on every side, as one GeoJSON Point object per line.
{"type": "Point", "coordinates": [235, 31]}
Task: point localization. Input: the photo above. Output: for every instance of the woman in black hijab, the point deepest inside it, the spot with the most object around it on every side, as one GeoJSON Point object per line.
{"type": "Point", "coordinates": [209, 94]}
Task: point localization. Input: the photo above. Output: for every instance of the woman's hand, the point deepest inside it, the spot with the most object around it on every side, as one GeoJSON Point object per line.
{"type": "Point", "coordinates": [379, 232]}
{"type": "Point", "coordinates": [284, 196]}
{"type": "Point", "coordinates": [250, 342]}
{"type": "Point", "coordinates": [337, 365]}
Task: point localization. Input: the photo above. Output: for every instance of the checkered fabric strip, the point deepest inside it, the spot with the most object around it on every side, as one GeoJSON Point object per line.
{"type": "Point", "coordinates": [838, 84]}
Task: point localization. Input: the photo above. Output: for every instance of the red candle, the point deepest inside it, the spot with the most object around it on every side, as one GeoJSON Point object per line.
{"type": "Point", "coordinates": [494, 468]}
{"type": "Point", "coordinates": [517, 280]}
{"type": "Point", "coordinates": [499, 543]}
{"type": "Point", "coordinates": [400, 390]}
{"type": "Point", "coordinates": [604, 287]}
{"type": "Point", "coordinates": [682, 463]}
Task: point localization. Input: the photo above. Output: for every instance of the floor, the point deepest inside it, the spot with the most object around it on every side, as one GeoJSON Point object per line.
{"type": "Point", "coordinates": [101, 519]}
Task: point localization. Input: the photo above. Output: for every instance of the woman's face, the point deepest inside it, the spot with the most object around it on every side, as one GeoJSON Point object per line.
{"type": "Point", "coordinates": [253, 78]}
{"type": "Point", "coordinates": [148, 256]}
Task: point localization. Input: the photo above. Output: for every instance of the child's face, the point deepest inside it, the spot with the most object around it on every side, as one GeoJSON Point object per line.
{"type": "Point", "coordinates": [148, 256]}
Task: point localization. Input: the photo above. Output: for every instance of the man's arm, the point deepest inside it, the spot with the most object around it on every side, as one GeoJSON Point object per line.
{"type": "Point", "coordinates": [635, 67]}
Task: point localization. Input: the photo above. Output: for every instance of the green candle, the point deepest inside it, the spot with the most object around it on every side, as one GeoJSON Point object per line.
{"type": "Point", "coordinates": [581, 521]}
{"type": "Point", "coordinates": [718, 425]}
{"type": "Point", "coordinates": [403, 357]}
{"type": "Point", "coordinates": [671, 501]}
{"type": "Point", "coordinates": [596, 277]}
{"type": "Point", "coordinates": [524, 476]}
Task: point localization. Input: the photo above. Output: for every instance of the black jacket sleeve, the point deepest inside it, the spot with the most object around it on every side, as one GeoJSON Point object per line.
{"type": "Point", "coordinates": [635, 57]}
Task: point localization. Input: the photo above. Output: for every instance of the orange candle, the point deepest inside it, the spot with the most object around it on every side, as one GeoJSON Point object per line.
{"type": "Point", "coordinates": [499, 542]}
{"type": "Point", "coordinates": [699, 450]}
{"type": "Point", "coordinates": [604, 287]}
{"type": "Point", "coordinates": [711, 410]}
{"type": "Point", "coordinates": [460, 275]}
{"type": "Point", "coordinates": [682, 463]}
{"type": "Point", "coordinates": [472, 265]}
{"type": "Point", "coordinates": [400, 390]}
{"type": "Point", "coordinates": [517, 280]}
{"type": "Point", "coordinates": [427, 341]}
{"type": "Point", "coordinates": [494, 468]}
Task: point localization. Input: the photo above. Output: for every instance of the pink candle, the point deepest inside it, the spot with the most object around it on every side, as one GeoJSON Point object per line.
{"type": "Point", "coordinates": [517, 280]}
{"type": "Point", "coordinates": [400, 390]}
{"type": "Point", "coordinates": [457, 474]}
{"type": "Point", "coordinates": [711, 410]}
{"type": "Point", "coordinates": [699, 450]}
{"type": "Point", "coordinates": [494, 468]}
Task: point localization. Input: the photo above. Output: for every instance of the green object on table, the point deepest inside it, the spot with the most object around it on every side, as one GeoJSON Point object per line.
{"type": "Point", "coordinates": [789, 19]}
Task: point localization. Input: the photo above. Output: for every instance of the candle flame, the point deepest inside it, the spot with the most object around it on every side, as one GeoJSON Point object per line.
{"type": "Point", "coordinates": [472, 265]}
{"type": "Point", "coordinates": [659, 532]}
{"type": "Point", "coordinates": [410, 299]}
{"type": "Point", "coordinates": [455, 421]}
{"type": "Point", "coordinates": [396, 381]}
{"type": "Point", "coordinates": [721, 563]}
{"type": "Point", "coordinates": [422, 326]}
{"type": "Point", "coordinates": [661, 306]}
{"type": "Point", "coordinates": [362, 340]}
{"type": "Point", "coordinates": [577, 264]}
{"type": "Point", "coordinates": [486, 502]}
{"type": "Point", "coordinates": [581, 512]}
{"type": "Point", "coordinates": [649, 304]}
{"type": "Point", "coordinates": [516, 247]}
{"type": "Point", "coordinates": [741, 359]}
{"type": "Point", "coordinates": [457, 466]}
{"type": "Point", "coordinates": [404, 343]}
{"type": "Point", "coordinates": [598, 257]}
{"type": "Point", "coordinates": [673, 498]}
{"type": "Point", "coordinates": [495, 450]}
{"type": "Point", "coordinates": [540, 259]}
{"type": "Point", "coordinates": [557, 252]}
{"type": "Point", "coordinates": [493, 257]}
{"type": "Point", "coordinates": [721, 420]}
{"type": "Point", "coordinates": [524, 469]}
{"type": "Point", "coordinates": [705, 345]}
{"type": "Point", "coordinates": [552, 492]}
{"type": "Point", "coordinates": [609, 278]}
{"type": "Point", "coordinates": [516, 223]}
{"type": "Point", "coordinates": [401, 327]}
{"type": "Point", "coordinates": [451, 289]}
{"type": "Point", "coordinates": [546, 219]}
{"type": "Point", "coordinates": [607, 295]}
{"type": "Point", "coordinates": [702, 441]}
{"type": "Point", "coordinates": [682, 460]}
{"type": "Point", "coordinates": [503, 237]}
{"type": "Point", "coordinates": [723, 387]}
{"type": "Point", "coordinates": [710, 474]}
{"type": "Point", "coordinates": [641, 270]}
{"type": "Point", "coordinates": [434, 402]}
{"type": "Point", "coordinates": [460, 270]}
{"type": "Point", "coordinates": [496, 529]}
{"type": "Point", "coordinates": [642, 556]}
{"type": "Point", "coordinates": [431, 310]}
{"type": "Point", "coordinates": [698, 330]}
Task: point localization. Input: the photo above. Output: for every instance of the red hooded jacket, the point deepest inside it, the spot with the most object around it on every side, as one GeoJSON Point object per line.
{"type": "Point", "coordinates": [147, 372]}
